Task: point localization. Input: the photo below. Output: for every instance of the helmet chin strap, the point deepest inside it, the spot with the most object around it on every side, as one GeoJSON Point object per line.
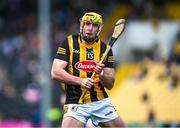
{"type": "Point", "coordinates": [88, 39]}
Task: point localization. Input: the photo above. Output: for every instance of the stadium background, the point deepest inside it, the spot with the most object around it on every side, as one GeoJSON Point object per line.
{"type": "Point", "coordinates": [146, 92]}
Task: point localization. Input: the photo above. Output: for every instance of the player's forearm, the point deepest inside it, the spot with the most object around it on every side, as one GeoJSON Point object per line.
{"type": "Point", "coordinates": [65, 77]}
{"type": "Point", "coordinates": [107, 79]}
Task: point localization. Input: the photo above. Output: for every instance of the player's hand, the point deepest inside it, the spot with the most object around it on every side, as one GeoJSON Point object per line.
{"type": "Point", "coordinates": [99, 68]}
{"type": "Point", "coordinates": [87, 83]}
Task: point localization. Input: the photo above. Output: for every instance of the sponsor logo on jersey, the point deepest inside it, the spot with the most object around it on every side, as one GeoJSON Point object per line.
{"type": "Point", "coordinates": [87, 65]}
{"type": "Point", "coordinates": [76, 51]}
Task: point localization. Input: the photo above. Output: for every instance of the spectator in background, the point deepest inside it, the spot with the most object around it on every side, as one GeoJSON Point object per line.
{"type": "Point", "coordinates": [173, 64]}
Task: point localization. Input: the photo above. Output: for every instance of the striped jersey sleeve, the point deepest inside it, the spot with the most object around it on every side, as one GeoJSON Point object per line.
{"type": "Point", "coordinates": [109, 60]}
{"type": "Point", "coordinates": [63, 51]}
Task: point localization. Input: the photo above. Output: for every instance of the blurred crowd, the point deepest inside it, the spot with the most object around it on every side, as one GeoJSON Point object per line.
{"type": "Point", "coordinates": [20, 91]}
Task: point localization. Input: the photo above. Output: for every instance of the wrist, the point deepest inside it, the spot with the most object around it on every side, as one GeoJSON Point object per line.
{"type": "Point", "coordinates": [77, 80]}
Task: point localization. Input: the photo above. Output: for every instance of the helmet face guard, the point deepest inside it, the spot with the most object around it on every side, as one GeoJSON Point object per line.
{"type": "Point", "coordinates": [92, 18]}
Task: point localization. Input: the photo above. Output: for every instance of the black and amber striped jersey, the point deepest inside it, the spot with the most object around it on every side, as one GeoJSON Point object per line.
{"type": "Point", "coordinates": [82, 58]}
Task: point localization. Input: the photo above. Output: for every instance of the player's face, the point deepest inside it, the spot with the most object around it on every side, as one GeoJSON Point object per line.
{"type": "Point", "coordinates": [90, 30]}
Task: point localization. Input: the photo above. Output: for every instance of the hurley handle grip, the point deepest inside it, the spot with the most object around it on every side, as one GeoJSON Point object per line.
{"type": "Point", "coordinates": [81, 101]}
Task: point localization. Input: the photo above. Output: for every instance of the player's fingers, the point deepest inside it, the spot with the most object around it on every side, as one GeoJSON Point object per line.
{"type": "Point", "coordinates": [99, 68]}
{"type": "Point", "coordinates": [90, 81]}
{"type": "Point", "coordinates": [85, 85]}
{"type": "Point", "coordinates": [101, 65]}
